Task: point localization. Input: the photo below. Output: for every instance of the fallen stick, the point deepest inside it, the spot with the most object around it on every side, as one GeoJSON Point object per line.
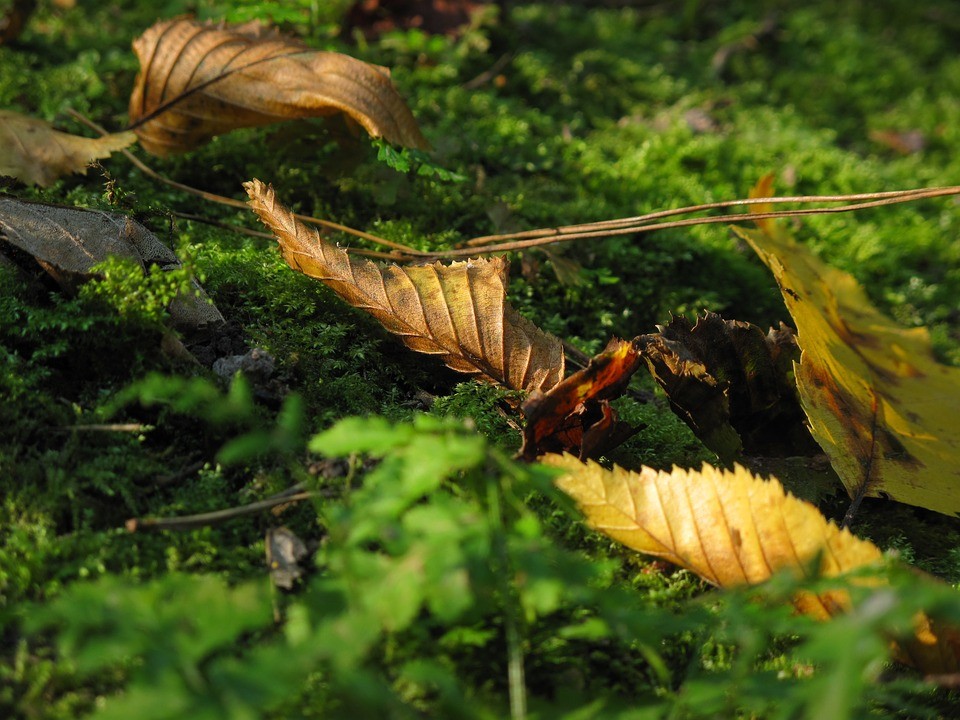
{"type": "Point", "coordinates": [191, 522]}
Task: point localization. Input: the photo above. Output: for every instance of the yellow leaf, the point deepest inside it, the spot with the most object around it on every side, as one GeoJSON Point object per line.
{"type": "Point", "coordinates": [732, 528]}
{"type": "Point", "coordinates": [200, 80]}
{"type": "Point", "coordinates": [878, 402]}
{"type": "Point", "coordinates": [763, 189]}
{"type": "Point", "coordinates": [458, 312]}
{"type": "Point", "coordinates": [32, 151]}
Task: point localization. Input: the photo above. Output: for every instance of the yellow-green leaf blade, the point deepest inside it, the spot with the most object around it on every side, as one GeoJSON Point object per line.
{"type": "Point", "coordinates": [732, 528]}
{"type": "Point", "coordinates": [878, 402]}
{"type": "Point", "coordinates": [728, 527]}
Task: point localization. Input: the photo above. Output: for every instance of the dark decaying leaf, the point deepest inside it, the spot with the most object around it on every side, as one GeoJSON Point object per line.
{"type": "Point", "coordinates": [731, 384]}
{"type": "Point", "coordinates": [284, 553]}
{"type": "Point", "coordinates": [68, 242]}
{"type": "Point", "coordinates": [458, 312]}
{"type": "Point", "coordinates": [575, 416]}
{"type": "Point", "coordinates": [200, 80]}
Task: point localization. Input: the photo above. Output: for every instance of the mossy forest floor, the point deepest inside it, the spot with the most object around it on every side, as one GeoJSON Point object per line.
{"type": "Point", "coordinates": [592, 111]}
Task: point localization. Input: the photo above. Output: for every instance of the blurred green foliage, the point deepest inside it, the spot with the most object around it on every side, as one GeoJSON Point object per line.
{"type": "Point", "coordinates": [439, 591]}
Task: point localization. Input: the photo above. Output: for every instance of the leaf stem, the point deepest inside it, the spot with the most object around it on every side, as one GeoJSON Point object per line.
{"type": "Point", "coordinates": [516, 683]}
{"type": "Point", "coordinates": [231, 202]}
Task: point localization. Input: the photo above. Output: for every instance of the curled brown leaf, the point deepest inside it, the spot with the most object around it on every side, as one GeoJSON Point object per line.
{"type": "Point", "coordinates": [200, 80]}
{"type": "Point", "coordinates": [458, 312]}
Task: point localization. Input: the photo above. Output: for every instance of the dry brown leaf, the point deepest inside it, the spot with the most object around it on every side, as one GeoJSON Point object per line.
{"type": "Point", "coordinates": [732, 528]}
{"type": "Point", "coordinates": [200, 80]}
{"type": "Point", "coordinates": [458, 312]}
{"type": "Point", "coordinates": [32, 151]}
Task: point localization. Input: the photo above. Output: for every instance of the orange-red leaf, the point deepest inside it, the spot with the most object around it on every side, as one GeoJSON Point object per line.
{"type": "Point", "coordinates": [576, 415]}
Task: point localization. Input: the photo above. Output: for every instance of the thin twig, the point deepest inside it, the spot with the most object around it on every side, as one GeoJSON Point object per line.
{"type": "Point", "coordinates": [191, 522]}
{"type": "Point", "coordinates": [231, 202]}
{"type": "Point", "coordinates": [180, 475]}
{"type": "Point", "coordinates": [226, 226]}
{"type": "Point", "coordinates": [575, 355]}
{"type": "Point", "coordinates": [640, 220]}
{"type": "Point", "coordinates": [108, 427]}
{"type": "Point", "coordinates": [524, 240]}
{"type": "Point", "coordinates": [558, 237]}
{"type": "Point", "coordinates": [288, 492]}
{"type": "Point", "coordinates": [490, 73]}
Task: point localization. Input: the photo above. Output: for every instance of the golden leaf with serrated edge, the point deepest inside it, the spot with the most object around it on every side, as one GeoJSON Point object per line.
{"type": "Point", "coordinates": [458, 312]}
{"type": "Point", "coordinates": [32, 151]}
{"type": "Point", "coordinates": [732, 528]}
{"type": "Point", "coordinates": [200, 80]}
{"type": "Point", "coordinates": [878, 403]}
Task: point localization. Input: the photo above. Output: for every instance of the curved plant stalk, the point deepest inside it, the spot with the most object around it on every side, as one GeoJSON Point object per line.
{"type": "Point", "coordinates": [405, 252]}
{"type": "Point", "coordinates": [527, 239]}
{"type": "Point", "coordinates": [888, 197]}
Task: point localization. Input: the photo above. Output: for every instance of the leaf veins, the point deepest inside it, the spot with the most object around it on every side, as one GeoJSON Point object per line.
{"type": "Point", "coordinates": [200, 80]}
{"type": "Point", "coordinates": [458, 312]}
{"type": "Point", "coordinates": [733, 528]}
